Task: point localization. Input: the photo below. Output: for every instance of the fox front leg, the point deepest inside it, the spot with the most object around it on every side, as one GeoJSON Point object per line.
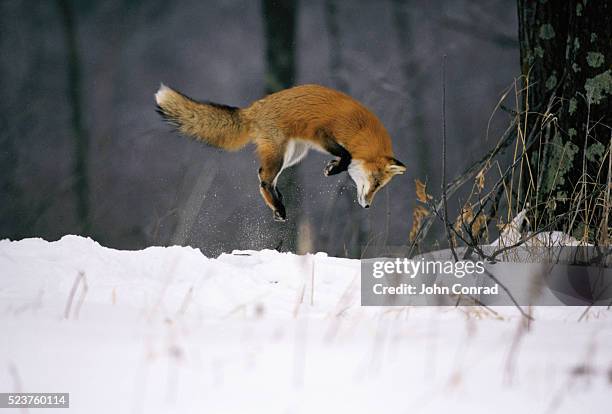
{"type": "Point", "coordinates": [341, 163]}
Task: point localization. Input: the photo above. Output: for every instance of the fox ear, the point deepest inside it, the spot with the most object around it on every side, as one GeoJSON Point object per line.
{"type": "Point", "coordinates": [395, 167]}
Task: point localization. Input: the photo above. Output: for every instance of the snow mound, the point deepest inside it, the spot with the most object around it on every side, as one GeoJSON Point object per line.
{"type": "Point", "coordinates": [168, 330]}
{"type": "Point", "coordinates": [175, 279]}
{"type": "Point", "coordinates": [512, 234]}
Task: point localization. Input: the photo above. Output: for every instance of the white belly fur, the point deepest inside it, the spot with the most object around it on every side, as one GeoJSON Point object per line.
{"type": "Point", "coordinates": [296, 150]}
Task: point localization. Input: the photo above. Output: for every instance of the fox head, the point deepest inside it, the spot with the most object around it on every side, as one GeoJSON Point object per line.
{"type": "Point", "coordinates": [372, 175]}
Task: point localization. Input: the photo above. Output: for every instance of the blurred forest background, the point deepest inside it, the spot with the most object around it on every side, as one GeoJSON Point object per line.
{"type": "Point", "coordinates": [83, 151]}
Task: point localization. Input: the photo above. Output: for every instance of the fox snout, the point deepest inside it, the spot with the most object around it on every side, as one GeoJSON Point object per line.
{"type": "Point", "coordinates": [362, 202]}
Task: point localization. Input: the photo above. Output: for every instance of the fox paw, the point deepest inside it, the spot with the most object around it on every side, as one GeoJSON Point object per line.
{"type": "Point", "coordinates": [279, 216]}
{"type": "Point", "coordinates": [330, 168]}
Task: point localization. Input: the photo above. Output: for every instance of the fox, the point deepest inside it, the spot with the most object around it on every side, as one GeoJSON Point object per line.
{"type": "Point", "coordinates": [284, 126]}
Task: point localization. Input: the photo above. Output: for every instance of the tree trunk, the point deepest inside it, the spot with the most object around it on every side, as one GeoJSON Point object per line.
{"type": "Point", "coordinates": [566, 58]}
{"type": "Point", "coordinates": [348, 223]}
{"type": "Point", "coordinates": [413, 81]}
{"type": "Point", "coordinates": [280, 27]}
{"type": "Point", "coordinates": [81, 140]}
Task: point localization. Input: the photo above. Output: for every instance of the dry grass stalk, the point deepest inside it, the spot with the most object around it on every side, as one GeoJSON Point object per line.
{"type": "Point", "coordinates": [77, 281]}
{"type": "Point", "coordinates": [421, 191]}
{"type": "Point", "coordinates": [418, 215]}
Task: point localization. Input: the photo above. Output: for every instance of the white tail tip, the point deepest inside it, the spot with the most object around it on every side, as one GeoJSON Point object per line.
{"type": "Point", "coordinates": [162, 93]}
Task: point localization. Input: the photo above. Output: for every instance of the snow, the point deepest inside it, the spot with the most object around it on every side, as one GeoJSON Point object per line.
{"type": "Point", "coordinates": [168, 330]}
{"type": "Point", "coordinates": [511, 234]}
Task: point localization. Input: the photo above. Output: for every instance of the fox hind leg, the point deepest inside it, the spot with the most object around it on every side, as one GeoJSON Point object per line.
{"type": "Point", "coordinates": [272, 196]}
{"type": "Point", "coordinates": [271, 166]}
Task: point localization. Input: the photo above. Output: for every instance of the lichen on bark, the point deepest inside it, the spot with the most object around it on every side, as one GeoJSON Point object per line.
{"type": "Point", "coordinates": [598, 87]}
{"type": "Point", "coordinates": [561, 158]}
{"type": "Point", "coordinates": [595, 152]}
{"type": "Point", "coordinates": [547, 32]}
{"type": "Point", "coordinates": [595, 59]}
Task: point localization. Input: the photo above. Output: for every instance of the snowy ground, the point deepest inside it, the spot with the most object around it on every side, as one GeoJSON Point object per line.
{"type": "Point", "coordinates": [167, 330]}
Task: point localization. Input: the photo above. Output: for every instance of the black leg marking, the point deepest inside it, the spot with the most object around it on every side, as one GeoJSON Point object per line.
{"type": "Point", "coordinates": [331, 145]}
{"type": "Point", "coordinates": [278, 194]}
{"type": "Point", "coordinates": [280, 214]}
{"type": "Point", "coordinates": [274, 199]}
{"type": "Point", "coordinates": [336, 166]}
{"type": "Point", "coordinates": [271, 166]}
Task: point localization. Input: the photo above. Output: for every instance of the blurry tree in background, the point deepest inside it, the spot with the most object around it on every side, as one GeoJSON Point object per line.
{"type": "Point", "coordinates": [566, 62]}
{"type": "Point", "coordinates": [412, 73]}
{"type": "Point", "coordinates": [351, 227]}
{"type": "Point", "coordinates": [79, 131]}
{"type": "Point", "coordinates": [280, 27]}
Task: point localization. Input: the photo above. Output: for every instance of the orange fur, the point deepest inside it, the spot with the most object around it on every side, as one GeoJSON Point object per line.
{"type": "Point", "coordinates": [302, 111]}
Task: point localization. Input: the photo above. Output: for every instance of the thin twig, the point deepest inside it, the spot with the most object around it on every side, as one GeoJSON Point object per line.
{"type": "Point", "coordinates": [84, 290]}
{"type": "Point", "coordinates": [516, 304]}
{"type": "Point", "coordinates": [73, 290]}
{"type": "Point", "coordinates": [312, 281]}
{"type": "Point", "coordinates": [444, 201]}
{"type": "Point", "coordinates": [186, 302]}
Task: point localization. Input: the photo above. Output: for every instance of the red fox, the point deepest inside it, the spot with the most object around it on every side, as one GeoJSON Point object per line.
{"type": "Point", "coordinates": [284, 126]}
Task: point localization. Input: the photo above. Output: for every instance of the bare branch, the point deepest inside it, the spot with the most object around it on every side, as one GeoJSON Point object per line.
{"type": "Point", "coordinates": [444, 201]}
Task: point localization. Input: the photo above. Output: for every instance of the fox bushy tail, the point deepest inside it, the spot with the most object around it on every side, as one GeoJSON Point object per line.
{"type": "Point", "coordinates": [218, 125]}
